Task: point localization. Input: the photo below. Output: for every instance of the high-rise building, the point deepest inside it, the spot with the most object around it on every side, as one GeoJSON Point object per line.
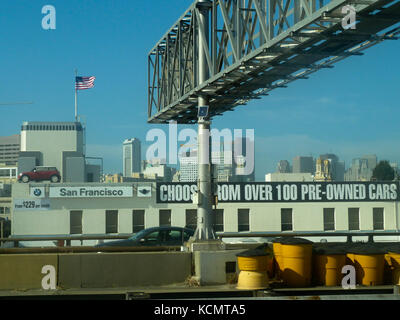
{"type": "Point", "coordinates": [303, 165]}
{"type": "Point", "coordinates": [395, 167]}
{"type": "Point", "coordinates": [283, 167]}
{"type": "Point", "coordinates": [361, 168]}
{"type": "Point", "coordinates": [131, 157]}
{"type": "Point", "coordinates": [188, 164]}
{"type": "Point", "coordinates": [56, 144]}
{"type": "Point", "coordinates": [10, 148]}
{"type": "Point", "coordinates": [372, 161]}
{"type": "Point", "coordinates": [323, 170]}
{"type": "Point", "coordinates": [243, 160]}
{"type": "Point", "coordinates": [337, 168]}
{"type": "Point", "coordinates": [156, 167]}
{"type": "Point", "coordinates": [228, 165]}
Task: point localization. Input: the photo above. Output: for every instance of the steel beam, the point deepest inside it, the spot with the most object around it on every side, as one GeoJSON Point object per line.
{"type": "Point", "coordinates": [255, 40]}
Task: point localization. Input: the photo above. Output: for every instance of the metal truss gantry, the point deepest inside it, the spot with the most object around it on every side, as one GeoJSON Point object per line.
{"type": "Point", "coordinates": [254, 46]}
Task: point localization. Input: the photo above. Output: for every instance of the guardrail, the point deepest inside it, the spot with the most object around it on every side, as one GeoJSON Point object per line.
{"type": "Point", "coordinates": [65, 241]}
{"type": "Point", "coordinates": [348, 234]}
{"type": "Point", "coordinates": [86, 249]}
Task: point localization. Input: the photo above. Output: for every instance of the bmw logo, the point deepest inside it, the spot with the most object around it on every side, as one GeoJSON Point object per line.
{"type": "Point", "coordinates": [37, 192]}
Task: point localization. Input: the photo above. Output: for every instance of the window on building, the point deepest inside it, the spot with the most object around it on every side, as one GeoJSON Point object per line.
{"type": "Point", "coordinates": [286, 219]}
{"type": "Point", "coordinates": [90, 177]}
{"type": "Point", "coordinates": [329, 219]}
{"type": "Point", "coordinates": [354, 218]}
{"type": "Point", "coordinates": [137, 220]}
{"type": "Point", "coordinates": [218, 220]}
{"type": "Point", "coordinates": [191, 219]}
{"type": "Point", "coordinates": [111, 221]}
{"type": "Point", "coordinates": [165, 218]}
{"type": "Point", "coordinates": [75, 222]}
{"type": "Point", "coordinates": [243, 220]}
{"type": "Point", "coordinates": [378, 219]}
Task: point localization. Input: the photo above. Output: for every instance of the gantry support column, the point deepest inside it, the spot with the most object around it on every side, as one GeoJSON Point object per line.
{"type": "Point", "coordinates": [204, 229]}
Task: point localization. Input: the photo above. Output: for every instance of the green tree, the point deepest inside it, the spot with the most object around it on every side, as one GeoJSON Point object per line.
{"type": "Point", "coordinates": [383, 172]}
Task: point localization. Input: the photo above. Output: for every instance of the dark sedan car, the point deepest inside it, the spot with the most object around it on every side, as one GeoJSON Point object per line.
{"type": "Point", "coordinates": [157, 236]}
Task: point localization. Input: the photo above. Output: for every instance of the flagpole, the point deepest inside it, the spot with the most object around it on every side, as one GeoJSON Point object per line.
{"type": "Point", "coordinates": [76, 97]}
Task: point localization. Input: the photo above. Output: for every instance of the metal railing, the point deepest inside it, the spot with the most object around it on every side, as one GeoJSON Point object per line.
{"type": "Point", "coordinates": [348, 234]}
{"type": "Point", "coordinates": [87, 249]}
{"type": "Point", "coordinates": [65, 240]}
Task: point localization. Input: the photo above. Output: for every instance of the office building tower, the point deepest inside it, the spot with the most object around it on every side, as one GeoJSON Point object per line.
{"type": "Point", "coordinates": [158, 169]}
{"type": "Point", "coordinates": [323, 170]}
{"type": "Point", "coordinates": [283, 167]}
{"type": "Point", "coordinates": [10, 148]}
{"type": "Point", "coordinates": [131, 157]}
{"type": "Point", "coordinates": [372, 161]}
{"type": "Point", "coordinates": [57, 144]}
{"type": "Point", "coordinates": [337, 168]}
{"type": "Point", "coordinates": [188, 164]}
{"type": "Point", "coordinates": [228, 165]}
{"type": "Point", "coordinates": [303, 165]}
{"type": "Point", "coordinates": [244, 160]}
{"type": "Point", "coordinates": [361, 168]}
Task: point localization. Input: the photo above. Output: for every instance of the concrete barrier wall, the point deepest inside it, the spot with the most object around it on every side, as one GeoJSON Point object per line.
{"type": "Point", "coordinates": [210, 266]}
{"type": "Point", "coordinates": [95, 270]}
{"type": "Point", "coordinates": [24, 271]}
{"type": "Point", "coordinates": [109, 270]}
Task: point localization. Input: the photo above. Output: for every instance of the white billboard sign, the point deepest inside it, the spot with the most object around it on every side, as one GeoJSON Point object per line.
{"type": "Point", "coordinates": [31, 204]}
{"type": "Point", "coordinates": [91, 192]}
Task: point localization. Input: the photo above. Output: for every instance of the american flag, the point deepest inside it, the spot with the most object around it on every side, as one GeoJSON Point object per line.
{"type": "Point", "coordinates": [82, 83]}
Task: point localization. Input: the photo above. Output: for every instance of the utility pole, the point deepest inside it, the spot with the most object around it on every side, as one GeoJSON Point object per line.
{"type": "Point", "coordinates": [204, 229]}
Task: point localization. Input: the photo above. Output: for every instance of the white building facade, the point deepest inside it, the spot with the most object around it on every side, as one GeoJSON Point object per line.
{"type": "Point", "coordinates": [52, 139]}
{"type": "Point", "coordinates": [57, 144]}
{"type": "Point", "coordinates": [64, 209]}
{"type": "Point", "coordinates": [131, 157]}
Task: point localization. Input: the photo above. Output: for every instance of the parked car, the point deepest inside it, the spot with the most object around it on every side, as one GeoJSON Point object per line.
{"type": "Point", "coordinates": [157, 236]}
{"type": "Point", "coordinates": [11, 244]}
{"type": "Point", "coordinates": [40, 174]}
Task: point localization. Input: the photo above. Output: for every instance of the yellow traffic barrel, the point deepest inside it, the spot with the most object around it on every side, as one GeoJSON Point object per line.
{"type": "Point", "coordinates": [350, 258]}
{"type": "Point", "coordinates": [270, 264]}
{"type": "Point", "coordinates": [349, 249]}
{"type": "Point", "coordinates": [278, 258]}
{"type": "Point", "coordinates": [253, 266]}
{"type": "Point", "coordinates": [328, 265]}
{"type": "Point", "coordinates": [297, 261]}
{"type": "Point", "coordinates": [369, 263]}
{"type": "Point", "coordinates": [393, 254]}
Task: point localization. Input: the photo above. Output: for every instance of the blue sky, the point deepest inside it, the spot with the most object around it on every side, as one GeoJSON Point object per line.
{"type": "Point", "coordinates": [350, 110]}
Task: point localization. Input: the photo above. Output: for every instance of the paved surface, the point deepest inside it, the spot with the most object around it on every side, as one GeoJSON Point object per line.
{"type": "Point", "coordinates": [183, 291]}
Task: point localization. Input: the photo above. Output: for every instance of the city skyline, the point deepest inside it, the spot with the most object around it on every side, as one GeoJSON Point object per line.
{"type": "Point", "coordinates": [200, 165]}
{"type": "Point", "coordinates": [332, 112]}
{"type": "Point", "coordinates": [259, 176]}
